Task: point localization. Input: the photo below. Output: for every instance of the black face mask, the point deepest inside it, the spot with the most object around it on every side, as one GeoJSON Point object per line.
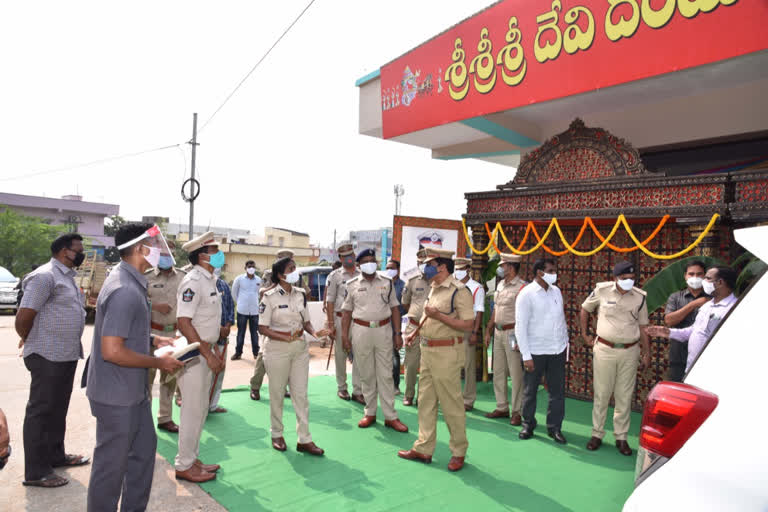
{"type": "Point", "coordinates": [79, 258]}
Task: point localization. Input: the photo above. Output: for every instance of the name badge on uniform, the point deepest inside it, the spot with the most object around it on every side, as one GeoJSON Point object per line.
{"type": "Point", "coordinates": [157, 286]}
{"type": "Point", "coordinates": [611, 302]}
{"type": "Point", "coordinates": [282, 306]}
{"type": "Point", "coordinates": [188, 295]}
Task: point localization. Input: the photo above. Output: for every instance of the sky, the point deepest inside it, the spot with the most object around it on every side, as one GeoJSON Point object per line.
{"type": "Point", "coordinates": [85, 81]}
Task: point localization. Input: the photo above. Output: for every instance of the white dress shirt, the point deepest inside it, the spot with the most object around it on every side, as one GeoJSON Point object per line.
{"type": "Point", "coordinates": [478, 295]}
{"type": "Point", "coordinates": [245, 291]}
{"type": "Point", "coordinates": [540, 326]}
{"type": "Point", "coordinates": [707, 319]}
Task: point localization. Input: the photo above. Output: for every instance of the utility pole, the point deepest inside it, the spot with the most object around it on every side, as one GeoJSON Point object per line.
{"type": "Point", "coordinates": [192, 194]}
{"type": "Point", "coordinates": [333, 249]}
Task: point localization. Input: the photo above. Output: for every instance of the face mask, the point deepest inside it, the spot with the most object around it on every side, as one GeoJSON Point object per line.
{"type": "Point", "coordinates": [217, 272]}
{"type": "Point", "coordinates": [153, 258]}
{"type": "Point", "coordinates": [709, 287]}
{"type": "Point", "coordinates": [694, 282]}
{"type": "Point", "coordinates": [216, 260]}
{"type": "Point", "coordinates": [500, 271]}
{"type": "Point", "coordinates": [79, 258]}
{"type": "Point", "coordinates": [626, 284]}
{"type": "Point", "coordinates": [293, 277]}
{"type": "Point", "coordinates": [348, 262]}
{"type": "Point", "coordinates": [391, 273]}
{"type": "Point", "coordinates": [422, 266]}
{"type": "Point", "coordinates": [430, 271]}
{"type": "Point", "coordinates": [251, 270]}
{"type": "Point", "coordinates": [165, 262]}
{"type": "Point", "coordinates": [369, 268]}
{"type": "Point", "coordinates": [550, 279]}
{"type": "Point", "coordinates": [460, 274]}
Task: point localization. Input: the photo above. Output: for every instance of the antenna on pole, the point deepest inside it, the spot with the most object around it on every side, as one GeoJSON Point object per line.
{"type": "Point", "coordinates": [399, 192]}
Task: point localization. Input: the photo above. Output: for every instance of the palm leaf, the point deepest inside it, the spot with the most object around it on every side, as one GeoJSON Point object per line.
{"type": "Point", "coordinates": [754, 268]}
{"type": "Point", "coordinates": [670, 280]}
{"type": "Point", "coordinates": [745, 258]}
{"type": "Point", "coordinates": [489, 272]}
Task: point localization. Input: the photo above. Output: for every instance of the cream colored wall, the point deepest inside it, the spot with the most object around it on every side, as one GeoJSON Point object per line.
{"type": "Point", "coordinates": [289, 239]}
{"type": "Point", "coordinates": [264, 256]}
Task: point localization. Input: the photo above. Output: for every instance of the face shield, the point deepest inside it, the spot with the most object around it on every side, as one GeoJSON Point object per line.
{"type": "Point", "coordinates": [154, 240]}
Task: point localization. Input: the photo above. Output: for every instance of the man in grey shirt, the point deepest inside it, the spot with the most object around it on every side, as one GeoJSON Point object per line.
{"type": "Point", "coordinates": [124, 457]}
{"type": "Point", "coordinates": [50, 322]}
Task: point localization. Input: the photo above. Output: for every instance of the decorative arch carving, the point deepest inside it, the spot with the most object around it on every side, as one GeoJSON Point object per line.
{"type": "Point", "coordinates": [579, 153]}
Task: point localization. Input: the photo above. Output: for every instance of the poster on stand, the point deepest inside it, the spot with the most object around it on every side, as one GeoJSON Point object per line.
{"type": "Point", "coordinates": [409, 234]}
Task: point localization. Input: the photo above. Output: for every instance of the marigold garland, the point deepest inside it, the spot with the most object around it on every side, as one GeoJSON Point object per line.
{"type": "Point", "coordinates": [605, 241]}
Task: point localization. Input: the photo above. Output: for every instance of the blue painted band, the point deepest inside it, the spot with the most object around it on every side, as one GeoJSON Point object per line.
{"type": "Point", "coordinates": [367, 78]}
{"type": "Point", "coordinates": [496, 130]}
{"type": "Point", "coordinates": [479, 155]}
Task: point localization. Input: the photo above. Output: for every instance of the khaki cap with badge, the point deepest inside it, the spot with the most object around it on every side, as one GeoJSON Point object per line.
{"type": "Point", "coordinates": [421, 254]}
{"type": "Point", "coordinates": [435, 252]}
{"type": "Point", "coordinates": [284, 253]}
{"type": "Point", "coordinates": [510, 258]}
{"type": "Point", "coordinates": [462, 262]}
{"type": "Point", "coordinates": [345, 250]}
{"type": "Point", "coordinates": [203, 240]}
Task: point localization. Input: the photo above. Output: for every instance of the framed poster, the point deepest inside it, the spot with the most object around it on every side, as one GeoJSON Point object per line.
{"type": "Point", "coordinates": [411, 233]}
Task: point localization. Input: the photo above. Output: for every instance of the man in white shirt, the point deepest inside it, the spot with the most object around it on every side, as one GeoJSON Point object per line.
{"type": "Point", "coordinates": [542, 336]}
{"type": "Point", "coordinates": [245, 292]}
{"type": "Point", "coordinates": [471, 338]}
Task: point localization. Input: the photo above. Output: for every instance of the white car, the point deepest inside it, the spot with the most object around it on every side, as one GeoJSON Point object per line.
{"type": "Point", "coordinates": [8, 291]}
{"type": "Point", "coordinates": [702, 443]}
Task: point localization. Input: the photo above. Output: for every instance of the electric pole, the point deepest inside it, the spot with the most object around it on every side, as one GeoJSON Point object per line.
{"type": "Point", "coordinates": [192, 194]}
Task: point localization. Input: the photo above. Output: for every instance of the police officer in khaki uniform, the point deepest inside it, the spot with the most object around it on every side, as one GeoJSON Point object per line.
{"type": "Point", "coordinates": [462, 267]}
{"type": "Point", "coordinates": [162, 286]}
{"type": "Point", "coordinates": [414, 297]}
{"type": "Point", "coordinates": [448, 314]}
{"type": "Point", "coordinates": [371, 304]}
{"type": "Point", "coordinates": [620, 342]}
{"type": "Point", "coordinates": [507, 360]}
{"type": "Point", "coordinates": [283, 318]}
{"type": "Point", "coordinates": [199, 319]}
{"type": "Point", "coordinates": [336, 292]}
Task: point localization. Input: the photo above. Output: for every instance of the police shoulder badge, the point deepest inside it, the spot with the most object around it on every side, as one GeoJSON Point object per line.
{"type": "Point", "coordinates": [262, 307]}
{"type": "Point", "coordinates": [188, 295]}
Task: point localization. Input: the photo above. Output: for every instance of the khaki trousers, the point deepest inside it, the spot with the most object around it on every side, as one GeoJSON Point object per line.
{"type": "Point", "coordinates": [615, 372]}
{"type": "Point", "coordinates": [259, 371]}
{"type": "Point", "coordinates": [470, 371]}
{"type": "Point", "coordinates": [195, 384]}
{"type": "Point", "coordinates": [412, 358]}
{"type": "Point", "coordinates": [340, 359]}
{"type": "Point", "coordinates": [440, 383]}
{"type": "Point", "coordinates": [373, 349]}
{"type": "Point", "coordinates": [167, 389]}
{"type": "Point", "coordinates": [507, 362]}
{"type": "Point", "coordinates": [283, 362]}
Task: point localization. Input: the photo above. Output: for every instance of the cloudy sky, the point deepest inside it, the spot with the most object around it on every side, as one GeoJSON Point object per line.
{"type": "Point", "coordinates": [85, 81]}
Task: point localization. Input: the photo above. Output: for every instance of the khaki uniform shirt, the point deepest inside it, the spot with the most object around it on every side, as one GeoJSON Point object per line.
{"type": "Point", "coordinates": [440, 297]}
{"type": "Point", "coordinates": [619, 316]}
{"type": "Point", "coordinates": [370, 300]}
{"type": "Point", "coordinates": [337, 287]}
{"type": "Point", "coordinates": [162, 289]}
{"type": "Point", "coordinates": [504, 298]}
{"type": "Point", "coordinates": [283, 311]}
{"type": "Point", "coordinates": [199, 299]}
{"type": "Point", "coordinates": [415, 293]}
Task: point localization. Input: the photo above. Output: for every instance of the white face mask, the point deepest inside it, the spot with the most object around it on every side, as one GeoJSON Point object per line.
{"type": "Point", "coordinates": [251, 270]}
{"type": "Point", "coordinates": [460, 274]}
{"type": "Point", "coordinates": [500, 271]}
{"type": "Point", "coordinates": [369, 268]}
{"type": "Point", "coordinates": [709, 287]}
{"type": "Point", "coordinates": [626, 284]}
{"type": "Point", "coordinates": [550, 279]}
{"type": "Point", "coordinates": [153, 258]}
{"type": "Point", "coordinates": [293, 277]}
{"type": "Point", "coordinates": [391, 273]}
{"type": "Point", "coordinates": [217, 272]}
{"type": "Point", "coordinates": [694, 282]}
{"type": "Point", "coordinates": [422, 266]}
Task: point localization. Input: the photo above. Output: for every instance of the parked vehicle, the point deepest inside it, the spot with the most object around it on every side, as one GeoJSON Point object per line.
{"type": "Point", "coordinates": [315, 278]}
{"type": "Point", "coordinates": [701, 441]}
{"type": "Point", "coordinates": [8, 292]}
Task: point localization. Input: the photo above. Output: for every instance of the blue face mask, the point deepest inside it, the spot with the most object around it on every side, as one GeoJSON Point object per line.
{"type": "Point", "coordinates": [165, 262]}
{"type": "Point", "coordinates": [216, 260]}
{"type": "Point", "coordinates": [430, 271]}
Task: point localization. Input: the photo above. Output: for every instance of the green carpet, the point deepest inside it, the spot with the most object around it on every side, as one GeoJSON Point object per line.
{"type": "Point", "coordinates": [361, 470]}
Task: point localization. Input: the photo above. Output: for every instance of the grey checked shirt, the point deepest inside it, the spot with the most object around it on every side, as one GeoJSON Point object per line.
{"type": "Point", "coordinates": [51, 291]}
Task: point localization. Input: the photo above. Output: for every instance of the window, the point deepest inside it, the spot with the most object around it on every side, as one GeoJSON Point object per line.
{"type": "Point", "coordinates": [270, 240]}
{"type": "Point", "coordinates": [282, 241]}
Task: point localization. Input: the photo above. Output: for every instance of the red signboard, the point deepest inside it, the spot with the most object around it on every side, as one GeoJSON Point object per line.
{"type": "Point", "coordinates": [519, 52]}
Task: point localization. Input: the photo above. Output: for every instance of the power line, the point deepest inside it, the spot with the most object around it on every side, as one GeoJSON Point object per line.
{"type": "Point", "coordinates": [254, 67]}
{"type": "Point", "coordinates": [87, 164]}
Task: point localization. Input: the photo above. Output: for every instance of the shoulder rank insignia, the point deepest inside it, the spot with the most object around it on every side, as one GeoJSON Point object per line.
{"type": "Point", "coordinates": [188, 295]}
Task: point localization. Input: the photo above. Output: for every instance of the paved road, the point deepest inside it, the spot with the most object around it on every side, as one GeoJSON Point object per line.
{"type": "Point", "coordinates": [168, 495]}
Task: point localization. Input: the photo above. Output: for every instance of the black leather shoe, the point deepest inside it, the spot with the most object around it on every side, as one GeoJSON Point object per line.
{"type": "Point", "coordinates": [235, 357]}
{"type": "Point", "coordinates": [623, 448]}
{"type": "Point", "coordinates": [557, 436]}
{"type": "Point", "coordinates": [594, 443]}
{"type": "Point", "coordinates": [255, 395]}
{"type": "Point", "coordinates": [526, 433]}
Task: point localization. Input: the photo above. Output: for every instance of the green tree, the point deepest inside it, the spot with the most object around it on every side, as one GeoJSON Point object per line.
{"type": "Point", "coordinates": [112, 224]}
{"type": "Point", "coordinates": [25, 241]}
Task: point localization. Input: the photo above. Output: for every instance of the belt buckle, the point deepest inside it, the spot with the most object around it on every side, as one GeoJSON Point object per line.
{"type": "Point", "coordinates": [168, 328]}
{"type": "Point", "coordinates": [618, 345]}
{"type": "Point", "coordinates": [423, 341]}
{"type": "Point", "coordinates": [374, 324]}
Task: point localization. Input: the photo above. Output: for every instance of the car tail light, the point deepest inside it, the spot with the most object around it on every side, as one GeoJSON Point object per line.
{"type": "Point", "coordinates": [672, 413]}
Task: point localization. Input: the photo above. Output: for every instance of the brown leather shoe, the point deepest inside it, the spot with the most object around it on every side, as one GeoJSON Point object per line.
{"type": "Point", "coordinates": [408, 401]}
{"type": "Point", "coordinates": [367, 421]}
{"type": "Point", "coordinates": [278, 443]}
{"type": "Point", "coordinates": [396, 424]}
{"type": "Point", "coordinates": [208, 468]}
{"type": "Point", "coordinates": [414, 455]}
{"type": "Point", "coordinates": [623, 448]}
{"type": "Point", "coordinates": [594, 443]}
{"type": "Point", "coordinates": [456, 463]}
{"type": "Point", "coordinates": [169, 426]}
{"type": "Point", "coordinates": [310, 448]}
{"type": "Point", "coordinates": [344, 395]}
{"type": "Point", "coordinates": [359, 399]}
{"type": "Point", "coordinates": [496, 413]}
{"type": "Point", "coordinates": [468, 407]}
{"type": "Point", "coordinates": [255, 395]}
{"type": "Point", "coordinates": [516, 420]}
{"type": "Point", "coordinates": [195, 474]}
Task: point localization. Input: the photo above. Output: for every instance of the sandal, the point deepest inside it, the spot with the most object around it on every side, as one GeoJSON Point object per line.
{"type": "Point", "coordinates": [52, 480]}
{"type": "Point", "coordinates": [73, 460]}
